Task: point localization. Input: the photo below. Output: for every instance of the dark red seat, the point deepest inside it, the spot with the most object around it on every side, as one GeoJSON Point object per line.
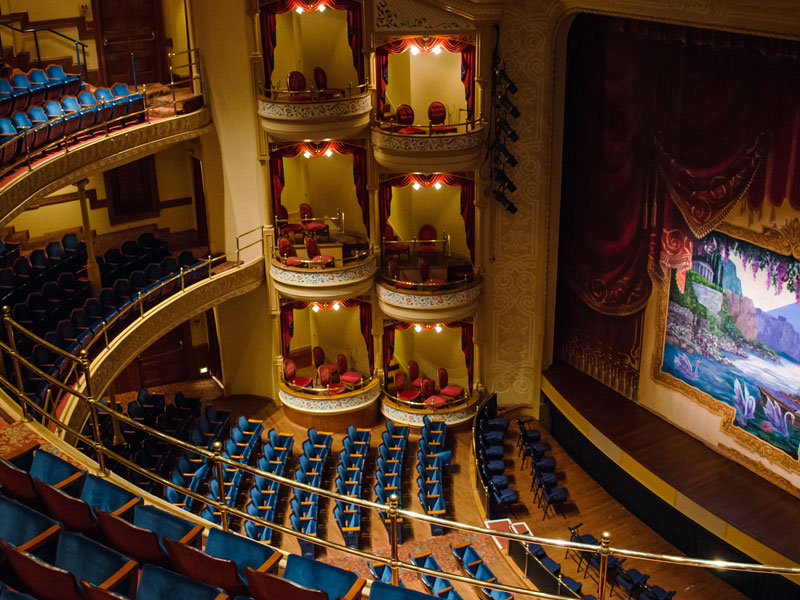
{"type": "Point", "coordinates": [405, 118]}
{"type": "Point", "coordinates": [288, 255]}
{"type": "Point", "coordinates": [450, 391]}
{"type": "Point", "coordinates": [402, 393]}
{"type": "Point", "coordinates": [317, 259]}
{"type": "Point", "coordinates": [296, 82]}
{"type": "Point", "coordinates": [345, 376]}
{"type": "Point", "coordinates": [427, 233]}
{"type": "Point", "coordinates": [290, 372]}
{"type": "Point", "coordinates": [413, 374]}
{"type": "Point", "coordinates": [391, 247]}
{"type": "Point", "coordinates": [265, 586]}
{"type": "Point", "coordinates": [312, 227]}
{"type": "Point", "coordinates": [394, 271]}
{"type": "Point", "coordinates": [321, 81]}
{"type": "Point", "coordinates": [284, 227]}
{"type": "Point", "coordinates": [424, 273]}
{"type": "Point", "coordinates": [325, 373]}
{"type": "Point", "coordinates": [437, 114]}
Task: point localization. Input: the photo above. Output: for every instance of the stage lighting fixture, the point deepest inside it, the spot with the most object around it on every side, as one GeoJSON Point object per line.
{"type": "Point", "coordinates": [508, 106]}
{"type": "Point", "coordinates": [504, 80]}
{"type": "Point", "coordinates": [503, 153]}
{"type": "Point", "coordinates": [505, 202]}
{"type": "Point", "coordinates": [504, 181]}
{"type": "Point", "coordinates": [507, 130]}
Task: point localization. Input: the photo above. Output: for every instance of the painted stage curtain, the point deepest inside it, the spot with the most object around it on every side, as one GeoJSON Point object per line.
{"type": "Point", "coordinates": [365, 321]}
{"type": "Point", "coordinates": [290, 150]}
{"type": "Point", "coordinates": [426, 45]}
{"type": "Point", "coordinates": [467, 198]}
{"type": "Point", "coordinates": [666, 129]}
{"type": "Point", "coordinates": [267, 14]}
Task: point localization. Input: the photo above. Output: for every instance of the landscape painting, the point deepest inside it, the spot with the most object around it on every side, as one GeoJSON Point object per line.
{"type": "Point", "coordinates": [733, 332]}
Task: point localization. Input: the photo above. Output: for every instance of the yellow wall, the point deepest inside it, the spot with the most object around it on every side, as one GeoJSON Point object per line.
{"type": "Point", "coordinates": [174, 174]}
{"type": "Point", "coordinates": [335, 331]}
{"type": "Point", "coordinates": [411, 209]}
{"type": "Point", "coordinates": [326, 183]}
{"type": "Point", "coordinates": [432, 350]}
{"type": "Point", "coordinates": [175, 30]}
{"type": "Point", "coordinates": [245, 345]}
{"type": "Point", "coordinates": [313, 39]}
{"type": "Point", "coordinates": [424, 78]}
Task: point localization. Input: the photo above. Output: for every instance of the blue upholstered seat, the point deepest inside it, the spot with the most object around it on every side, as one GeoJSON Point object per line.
{"type": "Point", "coordinates": [160, 584]}
{"type": "Point", "coordinates": [23, 527]}
{"type": "Point", "coordinates": [334, 581]}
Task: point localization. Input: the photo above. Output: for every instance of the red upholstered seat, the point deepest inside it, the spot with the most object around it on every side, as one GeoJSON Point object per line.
{"type": "Point", "coordinates": [294, 261]}
{"type": "Point", "coordinates": [451, 391]}
{"type": "Point", "coordinates": [416, 382]}
{"type": "Point", "coordinates": [321, 81]}
{"type": "Point", "coordinates": [301, 381]}
{"type": "Point", "coordinates": [282, 219]}
{"type": "Point", "coordinates": [318, 354]}
{"type": "Point", "coordinates": [392, 247]}
{"type": "Point", "coordinates": [427, 232]}
{"type": "Point", "coordinates": [413, 374]}
{"type": "Point", "coordinates": [409, 395]}
{"type": "Point", "coordinates": [296, 82]}
{"type": "Point", "coordinates": [394, 271]}
{"type": "Point", "coordinates": [322, 260]}
{"type": "Point", "coordinates": [290, 372]}
{"type": "Point", "coordinates": [345, 376]}
{"type": "Point", "coordinates": [437, 114]}
{"type": "Point", "coordinates": [435, 401]}
{"type": "Point", "coordinates": [312, 227]}
{"type": "Point", "coordinates": [405, 117]}
{"type": "Point", "coordinates": [434, 281]}
{"type": "Point", "coordinates": [286, 250]}
{"type": "Point", "coordinates": [336, 388]}
{"type": "Point", "coordinates": [404, 394]}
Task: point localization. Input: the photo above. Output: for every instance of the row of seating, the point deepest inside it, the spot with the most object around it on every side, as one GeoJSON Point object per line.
{"type": "Point", "coordinates": [389, 471]}
{"type": "Point", "coordinates": [348, 483]}
{"type": "Point", "coordinates": [264, 493]}
{"type": "Point", "coordinates": [633, 582]}
{"type": "Point", "coordinates": [544, 572]}
{"type": "Point", "coordinates": [490, 431]}
{"type": "Point", "coordinates": [308, 224]}
{"type": "Point", "coordinates": [21, 91]}
{"type": "Point", "coordinates": [437, 586]}
{"type": "Point", "coordinates": [422, 388]}
{"type": "Point", "coordinates": [304, 504]}
{"type": "Point", "coordinates": [28, 274]}
{"type": "Point", "coordinates": [544, 482]}
{"type": "Point", "coordinates": [432, 457]}
{"type": "Point", "coordinates": [132, 255]}
{"type": "Point", "coordinates": [8, 253]}
{"type": "Point", "coordinates": [473, 566]}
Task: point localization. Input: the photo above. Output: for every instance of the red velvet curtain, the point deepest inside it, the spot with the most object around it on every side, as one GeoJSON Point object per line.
{"type": "Point", "coordinates": [279, 151]}
{"type": "Point", "coordinates": [355, 37]}
{"type": "Point", "coordinates": [426, 45]}
{"type": "Point", "coordinates": [287, 322]}
{"type": "Point", "coordinates": [666, 129]}
{"type": "Point", "coordinates": [463, 180]}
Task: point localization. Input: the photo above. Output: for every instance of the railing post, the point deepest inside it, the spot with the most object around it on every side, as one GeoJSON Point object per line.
{"type": "Point", "coordinates": [394, 503]}
{"type": "Point", "coordinates": [604, 553]}
{"type": "Point", "coordinates": [133, 70]}
{"type": "Point", "coordinates": [220, 482]}
{"type": "Point", "coordinates": [141, 304]}
{"type": "Point", "coordinates": [183, 282]}
{"type": "Point", "coordinates": [15, 357]}
{"type": "Point", "coordinates": [98, 445]}
{"type": "Point", "coordinates": [119, 440]}
{"type": "Point", "coordinates": [36, 43]}
{"type": "Point", "coordinates": [209, 266]}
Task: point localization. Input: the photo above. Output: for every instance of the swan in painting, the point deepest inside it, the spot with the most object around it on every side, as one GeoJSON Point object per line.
{"type": "Point", "coordinates": [778, 419]}
{"type": "Point", "coordinates": [684, 366]}
{"type": "Point", "coordinates": [745, 403]}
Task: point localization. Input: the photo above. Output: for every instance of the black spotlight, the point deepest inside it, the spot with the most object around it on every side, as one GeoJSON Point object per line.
{"type": "Point", "coordinates": [505, 202]}
{"type": "Point", "coordinates": [504, 181]}
{"type": "Point", "coordinates": [506, 104]}
{"type": "Point", "coordinates": [505, 80]}
{"type": "Point", "coordinates": [503, 152]}
{"type": "Point", "coordinates": [507, 130]}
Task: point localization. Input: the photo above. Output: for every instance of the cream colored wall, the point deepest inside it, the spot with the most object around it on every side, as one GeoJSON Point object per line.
{"type": "Point", "coordinates": [50, 46]}
{"type": "Point", "coordinates": [424, 78]}
{"type": "Point", "coordinates": [313, 39]}
{"type": "Point", "coordinates": [432, 351]}
{"type": "Point", "coordinates": [174, 175]}
{"type": "Point", "coordinates": [411, 209]}
{"type": "Point", "coordinates": [175, 30]}
{"type": "Point", "coordinates": [326, 183]}
{"type": "Point", "coordinates": [339, 332]}
{"type": "Point", "coordinates": [301, 337]}
{"type": "Point", "coordinates": [246, 344]}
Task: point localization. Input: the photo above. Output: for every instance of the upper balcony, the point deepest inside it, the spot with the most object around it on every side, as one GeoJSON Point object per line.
{"type": "Point", "coordinates": [66, 133]}
{"type": "Point", "coordinates": [314, 84]}
{"type": "Point", "coordinates": [427, 108]}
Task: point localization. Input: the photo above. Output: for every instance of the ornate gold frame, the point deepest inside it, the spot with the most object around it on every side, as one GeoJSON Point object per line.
{"type": "Point", "coordinates": [784, 240]}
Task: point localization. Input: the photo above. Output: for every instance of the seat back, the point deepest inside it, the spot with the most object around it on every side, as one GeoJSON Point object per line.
{"type": "Point", "coordinates": [320, 78]}
{"type": "Point", "coordinates": [17, 483]}
{"type": "Point", "coordinates": [324, 372]}
{"type": "Point", "coordinates": [399, 382]}
{"type": "Point", "coordinates": [437, 113]}
{"type": "Point", "coordinates": [427, 232]}
{"type": "Point", "coordinates": [73, 512]}
{"type": "Point", "coordinates": [156, 582]}
{"type": "Point", "coordinates": [100, 493]}
{"type": "Point", "coordinates": [51, 468]}
{"type": "Point", "coordinates": [265, 586]}
{"type": "Point", "coordinates": [296, 81]}
{"type": "Point", "coordinates": [305, 212]}
{"type": "Point", "coordinates": [137, 542]}
{"type": "Point", "coordinates": [413, 370]}
{"type": "Point", "coordinates": [53, 109]}
{"type": "Point", "coordinates": [424, 269]}
{"type": "Point", "coordinates": [289, 369]}
{"type": "Point", "coordinates": [394, 269]}
{"type": "Point", "coordinates": [442, 376]}
{"type": "Point", "coordinates": [341, 363]}
{"type": "Point", "coordinates": [120, 89]}
{"type": "Point", "coordinates": [20, 524]}
{"type": "Point", "coordinates": [319, 355]}
{"type": "Point", "coordinates": [335, 581]}
{"type": "Point", "coordinates": [283, 214]}
{"type": "Point", "coordinates": [427, 388]}
{"type": "Point", "coordinates": [194, 563]}
{"type": "Point", "coordinates": [45, 581]}
{"type": "Point", "coordinates": [311, 247]}
{"type": "Point", "coordinates": [405, 115]}
{"type": "Point", "coordinates": [285, 247]}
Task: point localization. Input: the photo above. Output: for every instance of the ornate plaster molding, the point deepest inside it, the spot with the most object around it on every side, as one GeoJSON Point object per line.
{"type": "Point", "coordinates": [783, 240]}
{"type": "Point", "coordinates": [341, 118]}
{"type": "Point", "coordinates": [408, 15]}
{"type": "Point", "coordinates": [98, 154]}
{"type": "Point", "coordinates": [416, 419]}
{"type": "Point", "coordinates": [447, 152]}
{"type": "Point", "coordinates": [324, 405]}
{"type": "Point", "coordinates": [324, 284]}
{"type": "Point", "coordinates": [162, 318]}
{"type": "Point", "coordinates": [428, 308]}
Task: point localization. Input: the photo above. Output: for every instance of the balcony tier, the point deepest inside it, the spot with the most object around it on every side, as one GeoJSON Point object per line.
{"type": "Point", "coordinates": [438, 152]}
{"type": "Point", "coordinates": [429, 307]}
{"type": "Point", "coordinates": [339, 118]}
{"type": "Point", "coordinates": [333, 412]}
{"type": "Point", "coordinates": [323, 285]}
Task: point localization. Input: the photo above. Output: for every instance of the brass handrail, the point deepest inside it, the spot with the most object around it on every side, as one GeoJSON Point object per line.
{"type": "Point", "coordinates": [362, 383]}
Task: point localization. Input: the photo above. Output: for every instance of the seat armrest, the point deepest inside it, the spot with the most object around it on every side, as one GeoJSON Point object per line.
{"type": "Point", "coordinates": [193, 536]}
{"type": "Point", "coordinates": [271, 563]}
{"type": "Point", "coordinates": [112, 582]}
{"type": "Point", "coordinates": [69, 480]}
{"type": "Point", "coordinates": [40, 539]}
{"type": "Point", "coordinates": [354, 593]}
{"type": "Point", "coordinates": [126, 507]}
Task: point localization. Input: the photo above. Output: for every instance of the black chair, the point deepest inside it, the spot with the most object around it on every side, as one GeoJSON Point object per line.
{"type": "Point", "coordinates": [156, 249]}
{"type": "Point", "coordinates": [632, 581]}
{"type": "Point", "coordinates": [40, 265]}
{"type": "Point", "coordinates": [56, 255]}
{"type": "Point", "coordinates": [74, 247]}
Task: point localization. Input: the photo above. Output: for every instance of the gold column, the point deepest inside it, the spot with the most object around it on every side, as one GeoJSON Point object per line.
{"type": "Point", "coordinates": [476, 356]}
{"type": "Point", "coordinates": [92, 268]}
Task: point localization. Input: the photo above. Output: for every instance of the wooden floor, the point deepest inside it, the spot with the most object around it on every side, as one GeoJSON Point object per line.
{"type": "Point", "coordinates": [589, 504]}
{"type": "Point", "coordinates": [726, 489]}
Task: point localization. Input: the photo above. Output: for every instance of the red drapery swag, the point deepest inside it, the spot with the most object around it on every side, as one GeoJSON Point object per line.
{"type": "Point", "coordinates": [290, 150]}
{"type": "Point", "coordinates": [426, 45]}
{"type": "Point", "coordinates": [267, 14]}
{"type": "Point", "coordinates": [466, 345]}
{"type": "Point", "coordinates": [667, 128]}
{"type": "Point", "coordinates": [467, 197]}
{"type": "Point", "coordinates": [364, 314]}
